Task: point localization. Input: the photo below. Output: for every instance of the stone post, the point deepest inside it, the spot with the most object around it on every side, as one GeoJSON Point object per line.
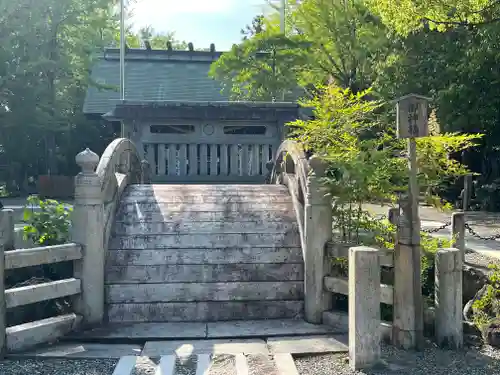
{"type": "Point", "coordinates": [364, 307]}
{"type": "Point", "coordinates": [317, 231]}
{"type": "Point", "coordinates": [88, 231]}
{"type": "Point", "coordinates": [408, 321]}
{"type": "Point", "coordinates": [448, 298]}
{"type": "Point", "coordinates": [145, 172]}
{"type": "Point", "coordinates": [6, 240]}
{"type": "Point", "coordinates": [458, 232]}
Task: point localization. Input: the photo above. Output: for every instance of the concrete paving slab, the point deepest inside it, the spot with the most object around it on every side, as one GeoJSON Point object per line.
{"type": "Point", "coordinates": [308, 344]}
{"type": "Point", "coordinates": [142, 331]}
{"type": "Point", "coordinates": [81, 350]}
{"type": "Point", "coordinates": [265, 328]}
{"type": "Point", "coordinates": [188, 347]}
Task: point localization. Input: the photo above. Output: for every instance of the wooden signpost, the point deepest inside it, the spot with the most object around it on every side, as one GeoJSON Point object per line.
{"type": "Point", "coordinates": [412, 123]}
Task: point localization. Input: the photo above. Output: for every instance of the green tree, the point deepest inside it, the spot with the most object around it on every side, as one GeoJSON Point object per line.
{"type": "Point", "coordinates": [157, 40]}
{"type": "Point", "coordinates": [326, 40]}
{"type": "Point", "coordinates": [405, 16]}
{"type": "Point", "coordinates": [45, 73]}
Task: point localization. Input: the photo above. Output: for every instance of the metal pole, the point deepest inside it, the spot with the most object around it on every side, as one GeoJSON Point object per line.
{"type": "Point", "coordinates": [122, 49]}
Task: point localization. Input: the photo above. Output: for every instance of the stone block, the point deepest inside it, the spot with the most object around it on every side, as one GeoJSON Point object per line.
{"type": "Point", "coordinates": [448, 298]}
{"type": "Point", "coordinates": [364, 307]}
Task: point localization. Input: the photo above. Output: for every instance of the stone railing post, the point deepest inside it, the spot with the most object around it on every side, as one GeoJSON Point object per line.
{"type": "Point", "coordinates": [88, 231]}
{"type": "Point", "coordinates": [448, 298]}
{"type": "Point", "coordinates": [145, 172]}
{"type": "Point", "coordinates": [6, 243]}
{"type": "Point", "coordinates": [317, 231]}
{"type": "Point", "coordinates": [364, 307]}
{"type": "Point", "coordinates": [458, 232]}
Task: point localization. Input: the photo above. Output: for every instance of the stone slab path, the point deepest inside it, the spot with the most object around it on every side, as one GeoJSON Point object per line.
{"type": "Point", "coordinates": [137, 332]}
{"type": "Point", "coordinates": [200, 357]}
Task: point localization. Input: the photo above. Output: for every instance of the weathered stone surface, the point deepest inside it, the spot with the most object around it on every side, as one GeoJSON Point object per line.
{"type": "Point", "coordinates": [204, 253]}
{"type": "Point", "coordinates": [223, 226]}
{"type": "Point", "coordinates": [205, 256]}
{"type": "Point", "coordinates": [180, 189]}
{"type": "Point", "coordinates": [285, 364]}
{"type": "Point", "coordinates": [265, 328]}
{"type": "Point", "coordinates": [243, 208]}
{"type": "Point", "coordinates": [28, 335]}
{"type": "Point", "coordinates": [448, 298]}
{"type": "Point", "coordinates": [210, 311]}
{"type": "Point", "coordinates": [193, 241]}
{"type": "Point", "coordinates": [308, 344]}
{"type": "Point", "coordinates": [473, 280]}
{"type": "Point", "coordinates": [82, 350]}
{"type": "Point", "coordinates": [364, 307]}
{"type": "Point", "coordinates": [204, 273]}
{"type": "Point", "coordinates": [28, 294]}
{"type": "Point", "coordinates": [492, 334]}
{"type": "Point", "coordinates": [182, 215]}
{"type": "Point", "coordinates": [146, 331]}
{"type": "Point", "coordinates": [182, 348]}
{"type": "Point", "coordinates": [42, 255]}
{"type": "Point", "coordinates": [246, 197]}
{"type": "Point", "coordinates": [190, 292]}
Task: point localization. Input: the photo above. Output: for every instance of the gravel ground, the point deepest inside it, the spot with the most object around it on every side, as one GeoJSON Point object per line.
{"type": "Point", "coordinates": [432, 361]}
{"type": "Point", "coordinates": [57, 367]}
{"type": "Point", "coordinates": [479, 260]}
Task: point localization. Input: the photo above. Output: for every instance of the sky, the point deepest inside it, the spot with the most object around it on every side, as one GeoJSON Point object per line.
{"type": "Point", "coordinates": [198, 21]}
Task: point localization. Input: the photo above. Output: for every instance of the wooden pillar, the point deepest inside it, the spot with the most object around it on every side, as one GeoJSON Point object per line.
{"type": "Point", "coordinates": [88, 231]}
{"type": "Point", "coordinates": [318, 231]}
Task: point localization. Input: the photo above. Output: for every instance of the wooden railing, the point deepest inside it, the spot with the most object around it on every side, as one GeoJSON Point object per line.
{"type": "Point", "coordinates": [23, 336]}
{"type": "Point", "coordinates": [217, 162]}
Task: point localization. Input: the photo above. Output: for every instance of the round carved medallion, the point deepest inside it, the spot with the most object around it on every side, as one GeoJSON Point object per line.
{"type": "Point", "coordinates": [208, 129]}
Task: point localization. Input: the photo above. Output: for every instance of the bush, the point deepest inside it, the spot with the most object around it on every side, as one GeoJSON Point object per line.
{"type": "Point", "coordinates": [486, 307]}
{"type": "Point", "coordinates": [372, 231]}
{"type": "Point", "coordinates": [50, 225]}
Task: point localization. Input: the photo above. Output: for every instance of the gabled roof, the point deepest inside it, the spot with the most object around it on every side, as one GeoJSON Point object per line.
{"type": "Point", "coordinates": [153, 75]}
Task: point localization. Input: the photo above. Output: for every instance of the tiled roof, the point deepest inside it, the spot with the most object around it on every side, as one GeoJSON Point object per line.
{"type": "Point", "coordinates": [153, 75]}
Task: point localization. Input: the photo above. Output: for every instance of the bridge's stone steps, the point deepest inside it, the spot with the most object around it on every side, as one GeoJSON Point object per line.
{"type": "Point", "coordinates": [204, 253]}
